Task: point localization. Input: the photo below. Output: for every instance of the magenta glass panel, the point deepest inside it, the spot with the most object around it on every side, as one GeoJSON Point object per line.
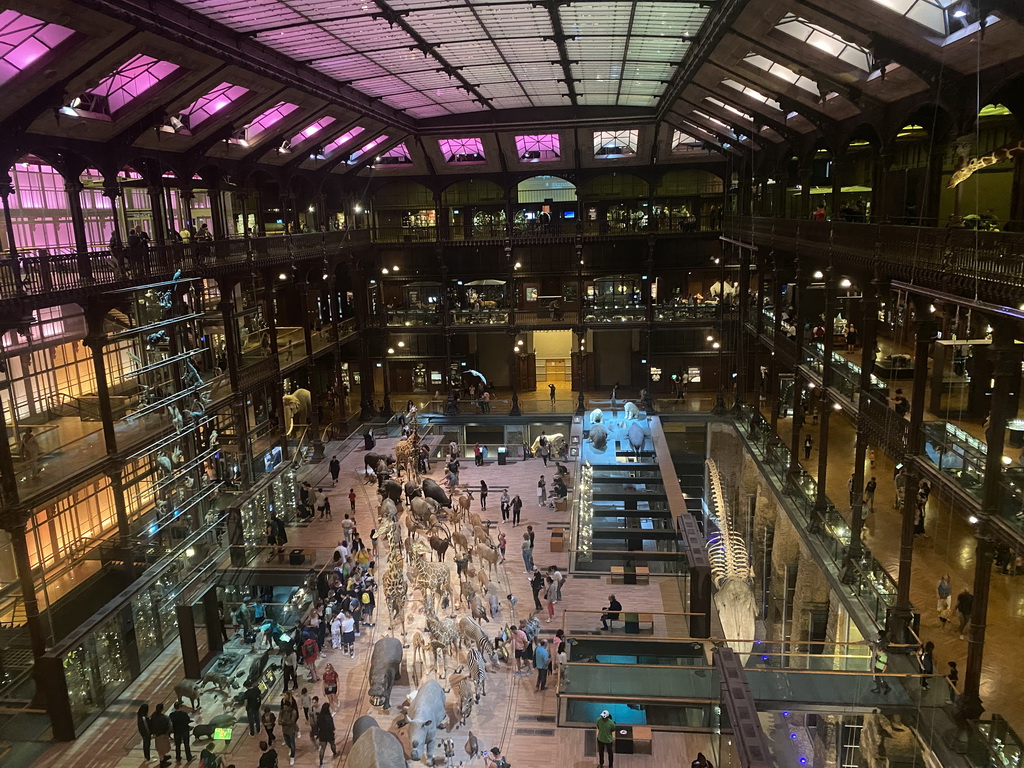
{"type": "Point", "coordinates": [367, 148]}
{"type": "Point", "coordinates": [538, 147]}
{"type": "Point", "coordinates": [206, 106]}
{"type": "Point", "coordinates": [343, 139]}
{"type": "Point", "coordinates": [130, 80]}
{"type": "Point", "coordinates": [462, 150]}
{"type": "Point", "coordinates": [312, 130]}
{"type": "Point", "coordinates": [273, 115]}
{"type": "Point", "coordinates": [24, 40]}
{"type": "Point", "coordinates": [401, 151]}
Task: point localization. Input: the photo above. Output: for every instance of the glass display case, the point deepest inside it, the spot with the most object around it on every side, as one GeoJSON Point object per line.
{"type": "Point", "coordinates": [994, 744]}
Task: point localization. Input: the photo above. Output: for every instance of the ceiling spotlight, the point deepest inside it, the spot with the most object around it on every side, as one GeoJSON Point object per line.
{"type": "Point", "coordinates": [810, 385]}
{"type": "Point", "coordinates": [394, 269]}
{"type": "Point", "coordinates": [716, 345]}
{"type": "Point", "coordinates": [973, 520]}
{"type": "Point", "coordinates": [845, 283]}
{"type": "Point", "coordinates": [282, 276]}
{"type": "Point", "coordinates": [311, 209]}
{"type": "Point", "coordinates": [837, 407]}
{"type": "Point", "coordinates": [358, 208]}
{"type": "Point", "coordinates": [285, 148]}
{"type": "Point", "coordinates": [959, 13]}
{"type": "Point", "coordinates": [384, 271]}
{"type": "Point", "coordinates": [819, 275]}
{"type": "Point", "coordinates": [176, 124]}
{"type": "Point", "coordinates": [517, 265]}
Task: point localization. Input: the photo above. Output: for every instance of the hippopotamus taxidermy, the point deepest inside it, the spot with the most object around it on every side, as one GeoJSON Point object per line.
{"type": "Point", "coordinates": [636, 436]}
{"type": "Point", "coordinates": [377, 748]}
{"type": "Point", "coordinates": [385, 669]}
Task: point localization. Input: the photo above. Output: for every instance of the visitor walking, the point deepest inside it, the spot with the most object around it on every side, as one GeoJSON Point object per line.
{"type": "Point", "coordinates": [869, 493]}
{"type": "Point", "coordinates": [251, 697]}
{"type": "Point", "coordinates": [483, 495]}
{"type": "Point", "coordinates": [289, 720]}
{"type": "Point", "coordinates": [506, 505]}
{"type": "Point", "coordinates": [541, 491]}
{"type": "Point", "coordinates": [879, 663]}
{"type": "Point", "coordinates": [537, 586]}
{"type": "Point", "coordinates": [551, 393]}
{"type": "Point", "coordinates": [517, 508]}
{"type": "Point", "coordinates": [335, 469]}
{"type": "Point", "coordinates": [605, 739]}
{"type": "Point", "coordinates": [142, 723]}
{"type": "Point", "coordinates": [808, 444]}
{"type": "Point", "coordinates": [964, 606]}
{"type": "Point", "coordinates": [352, 498]}
{"type": "Point", "coordinates": [527, 553]}
{"type": "Point", "coordinates": [325, 732]}
{"type": "Point", "coordinates": [943, 592]}
{"type": "Point", "coordinates": [551, 595]}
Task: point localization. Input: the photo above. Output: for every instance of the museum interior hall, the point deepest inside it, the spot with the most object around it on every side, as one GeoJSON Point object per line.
{"type": "Point", "coordinates": [511, 382]}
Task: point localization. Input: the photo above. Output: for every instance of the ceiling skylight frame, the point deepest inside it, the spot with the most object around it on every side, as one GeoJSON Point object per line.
{"type": "Point", "coordinates": [827, 41]}
{"type": "Point", "coordinates": [538, 148]}
{"type": "Point", "coordinates": [467, 151]}
{"type": "Point", "coordinates": [27, 42]}
{"type": "Point", "coordinates": [610, 145]}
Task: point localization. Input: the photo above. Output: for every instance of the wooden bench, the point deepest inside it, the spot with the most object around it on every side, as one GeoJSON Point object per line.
{"type": "Point", "coordinates": [558, 540]}
{"type": "Point", "coordinates": [641, 574]}
{"type": "Point", "coordinates": [618, 574]}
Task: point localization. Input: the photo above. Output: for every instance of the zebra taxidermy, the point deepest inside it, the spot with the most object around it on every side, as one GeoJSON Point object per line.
{"type": "Point", "coordinates": [730, 570]}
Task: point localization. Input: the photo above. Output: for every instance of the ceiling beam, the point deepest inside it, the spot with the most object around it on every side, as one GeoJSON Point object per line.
{"type": "Point", "coordinates": [851, 92]}
{"type": "Point", "coordinates": [885, 49]}
{"type": "Point", "coordinates": [755, 108]}
{"type": "Point", "coordinates": [816, 117]}
{"type": "Point", "coordinates": [715, 27]}
{"type": "Point", "coordinates": [729, 119]}
{"type": "Point", "coordinates": [559, 37]}
{"type": "Point", "coordinates": [397, 19]}
{"type": "Point", "coordinates": [178, 24]}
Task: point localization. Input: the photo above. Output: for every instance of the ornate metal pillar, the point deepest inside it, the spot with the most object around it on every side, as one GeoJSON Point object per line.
{"type": "Point", "coordinates": [824, 418]}
{"type": "Point", "coordinates": [799, 313]}
{"type": "Point", "coordinates": [95, 340]}
{"type": "Point", "coordinates": [156, 206]}
{"type": "Point", "coordinates": [1006, 357]}
{"type": "Point", "coordinates": [925, 335]}
{"type": "Point", "coordinates": [73, 188]}
{"type": "Point", "coordinates": [869, 332]}
{"type": "Point", "coordinates": [19, 547]}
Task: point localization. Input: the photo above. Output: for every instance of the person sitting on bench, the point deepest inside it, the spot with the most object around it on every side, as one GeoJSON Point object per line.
{"type": "Point", "coordinates": [613, 608]}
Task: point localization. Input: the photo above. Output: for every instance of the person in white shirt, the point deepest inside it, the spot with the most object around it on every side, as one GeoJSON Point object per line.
{"type": "Point", "coordinates": [336, 632]}
{"type": "Point", "coordinates": [348, 635]}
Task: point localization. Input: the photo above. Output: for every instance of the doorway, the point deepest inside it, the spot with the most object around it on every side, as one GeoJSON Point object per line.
{"type": "Point", "coordinates": [554, 357]}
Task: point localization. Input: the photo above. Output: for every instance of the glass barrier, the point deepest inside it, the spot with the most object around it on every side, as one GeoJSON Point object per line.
{"type": "Point", "coordinates": [874, 587]}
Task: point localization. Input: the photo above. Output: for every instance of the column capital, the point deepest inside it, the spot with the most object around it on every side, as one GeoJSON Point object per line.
{"type": "Point", "coordinates": [73, 186]}
{"type": "Point", "coordinates": [111, 189]}
{"type": "Point", "coordinates": [6, 184]}
{"type": "Point", "coordinates": [95, 341]}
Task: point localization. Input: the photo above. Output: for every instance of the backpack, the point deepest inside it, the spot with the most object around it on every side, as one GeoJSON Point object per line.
{"type": "Point", "coordinates": [366, 598]}
{"type": "Point", "coordinates": [503, 763]}
{"type": "Point", "coordinates": [309, 648]}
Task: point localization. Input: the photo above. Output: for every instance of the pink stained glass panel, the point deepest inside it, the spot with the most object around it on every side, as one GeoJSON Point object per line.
{"type": "Point", "coordinates": [25, 40]}
{"type": "Point", "coordinates": [312, 130]}
{"type": "Point", "coordinates": [131, 80]}
{"type": "Point", "coordinates": [213, 102]}
{"type": "Point", "coordinates": [456, 150]}
{"type": "Point", "coordinates": [272, 116]}
{"type": "Point", "coordinates": [345, 138]}
{"type": "Point", "coordinates": [367, 148]}
{"type": "Point", "coordinates": [538, 147]}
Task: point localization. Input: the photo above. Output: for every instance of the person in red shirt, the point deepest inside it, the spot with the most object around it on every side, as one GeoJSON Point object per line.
{"type": "Point", "coordinates": [352, 498]}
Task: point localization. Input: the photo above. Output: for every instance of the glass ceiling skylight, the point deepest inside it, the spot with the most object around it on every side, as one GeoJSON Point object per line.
{"type": "Point", "coordinates": [827, 41]}
{"type": "Point", "coordinates": [206, 106]}
{"type": "Point", "coordinates": [532, 149]}
{"type": "Point", "coordinates": [24, 41]}
{"type": "Point", "coordinates": [929, 13]}
{"type": "Point", "coordinates": [722, 126]}
{"type": "Point", "coordinates": [728, 108]}
{"type": "Point", "coordinates": [311, 130]}
{"type": "Point", "coordinates": [499, 54]}
{"type": "Point", "coordinates": [462, 150]}
{"type": "Point", "coordinates": [398, 155]}
{"type": "Point", "coordinates": [684, 142]}
{"type": "Point", "coordinates": [609, 144]}
{"type": "Point", "coordinates": [781, 72]}
{"type": "Point", "coordinates": [345, 138]}
{"type": "Point", "coordinates": [122, 86]}
{"type": "Point", "coordinates": [272, 116]}
{"type": "Point", "coordinates": [366, 148]}
{"type": "Point", "coordinates": [746, 90]}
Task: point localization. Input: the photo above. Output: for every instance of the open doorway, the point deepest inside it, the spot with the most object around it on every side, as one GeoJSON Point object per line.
{"type": "Point", "coordinates": [554, 357]}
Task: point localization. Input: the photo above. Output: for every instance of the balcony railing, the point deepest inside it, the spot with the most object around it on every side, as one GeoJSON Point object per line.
{"type": "Point", "coordinates": [42, 271]}
{"type": "Point", "coordinates": [989, 256]}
